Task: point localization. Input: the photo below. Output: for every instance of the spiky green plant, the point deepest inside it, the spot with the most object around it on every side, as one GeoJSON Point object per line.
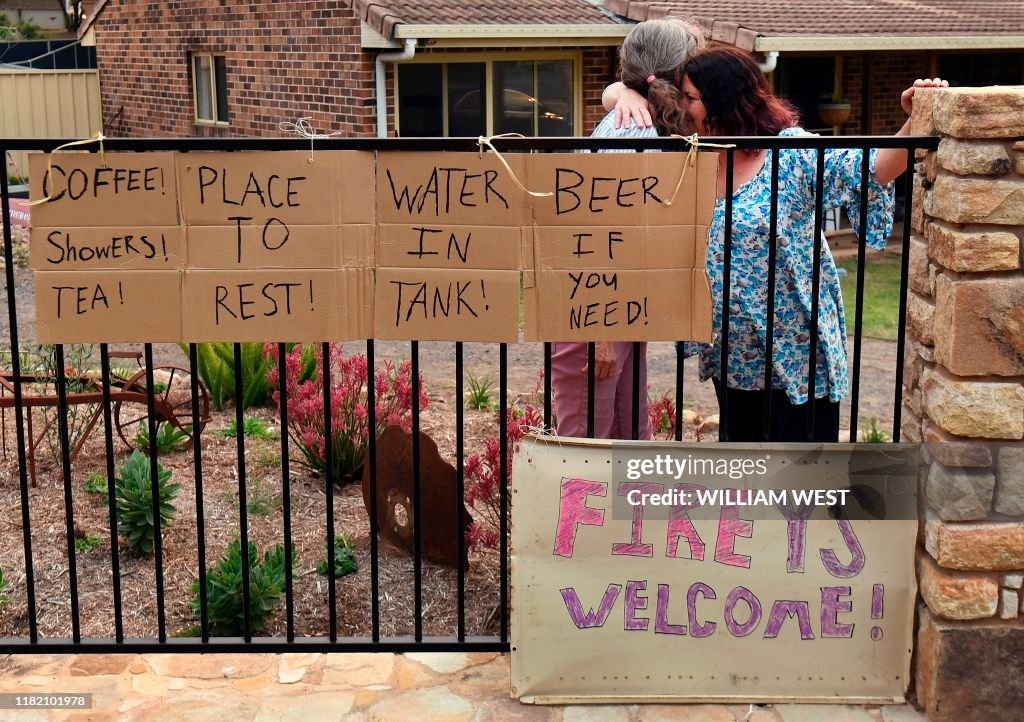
{"type": "Point", "coordinates": [224, 589]}
{"type": "Point", "coordinates": [134, 492]}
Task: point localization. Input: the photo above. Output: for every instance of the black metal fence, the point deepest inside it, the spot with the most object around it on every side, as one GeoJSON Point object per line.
{"type": "Point", "coordinates": [24, 634]}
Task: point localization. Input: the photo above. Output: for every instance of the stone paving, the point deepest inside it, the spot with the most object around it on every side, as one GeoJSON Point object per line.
{"type": "Point", "coordinates": [344, 688]}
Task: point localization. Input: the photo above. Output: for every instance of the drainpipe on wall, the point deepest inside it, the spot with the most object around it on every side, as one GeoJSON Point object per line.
{"type": "Point", "coordinates": [382, 98]}
{"type": "Point", "coordinates": [771, 59]}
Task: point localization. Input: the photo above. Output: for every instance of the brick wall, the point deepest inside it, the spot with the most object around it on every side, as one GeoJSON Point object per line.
{"type": "Point", "coordinates": [284, 60]}
{"type": "Point", "coordinates": [889, 74]}
{"type": "Point", "coordinates": [964, 397]}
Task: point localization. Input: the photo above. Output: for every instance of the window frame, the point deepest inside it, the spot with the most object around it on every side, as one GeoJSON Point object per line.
{"type": "Point", "coordinates": [488, 59]}
{"type": "Point", "coordinates": [193, 57]}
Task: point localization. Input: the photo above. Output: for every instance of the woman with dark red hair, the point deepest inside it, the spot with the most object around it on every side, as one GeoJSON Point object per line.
{"type": "Point", "coordinates": [724, 93]}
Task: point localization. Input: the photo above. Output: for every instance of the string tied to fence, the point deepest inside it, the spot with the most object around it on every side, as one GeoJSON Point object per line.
{"type": "Point", "coordinates": [485, 142]}
{"type": "Point", "coordinates": [691, 159]}
{"type": "Point", "coordinates": [97, 137]}
{"type": "Point", "coordinates": [304, 129]}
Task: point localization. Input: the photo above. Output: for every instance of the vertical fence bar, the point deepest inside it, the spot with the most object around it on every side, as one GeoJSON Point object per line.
{"type": "Point", "coordinates": [197, 460]}
{"type": "Point", "coordinates": [417, 512]}
{"type": "Point", "coordinates": [154, 480]}
{"type": "Point", "coordinates": [108, 443]}
{"type": "Point", "coordinates": [680, 369]}
{"type": "Point", "coordinates": [591, 383]}
{"type": "Point", "coordinates": [636, 391]}
{"type": "Point", "coordinates": [332, 593]}
{"type": "Point", "coordinates": [371, 409]}
{"type": "Point", "coordinates": [812, 373]}
{"type": "Point", "coordinates": [19, 411]}
{"type": "Point", "coordinates": [908, 208]}
{"type": "Point", "coordinates": [858, 317]}
{"type": "Point", "coordinates": [243, 512]}
{"type": "Point", "coordinates": [723, 411]}
{"type": "Point", "coordinates": [503, 483]}
{"type": "Point", "coordinates": [547, 385]}
{"type": "Point", "coordinates": [286, 490]}
{"type": "Point", "coordinates": [69, 510]}
{"type": "Point", "coordinates": [769, 330]}
{"type": "Point", "coordinates": [460, 489]}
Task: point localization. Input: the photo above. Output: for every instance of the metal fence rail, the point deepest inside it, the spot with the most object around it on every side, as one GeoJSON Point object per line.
{"type": "Point", "coordinates": [457, 638]}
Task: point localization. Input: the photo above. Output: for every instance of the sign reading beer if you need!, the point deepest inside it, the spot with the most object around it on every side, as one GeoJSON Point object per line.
{"type": "Point", "coordinates": [165, 247]}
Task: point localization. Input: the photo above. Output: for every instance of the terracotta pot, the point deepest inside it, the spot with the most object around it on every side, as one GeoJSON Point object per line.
{"type": "Point", "coordinates": [834, 113]}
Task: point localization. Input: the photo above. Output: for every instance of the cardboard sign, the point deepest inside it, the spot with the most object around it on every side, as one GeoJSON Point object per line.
{"type": "Point", "coordinates": [107, 306]}
{"type": "Point", "coordinates": [84, 248]}
{"type": "Point", "coordinates": [274, 246]}
{"type": "Point", "coordinates": [616, 249]}
{"type": "Point", "coordinates": [729, 581]}
{"type": "Point", "coordinates": [251, 305]}
{"type": "Point", "coordinates": [89, 189]}
{"type": "Point", "coordinates": [442, 305]}
{"type": "Point", "coordinates": [354, 304]}
{"type": "Point", "coordinates": [446, 246]}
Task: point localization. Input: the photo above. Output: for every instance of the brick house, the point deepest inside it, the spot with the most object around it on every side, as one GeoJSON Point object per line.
{"type": "Point", "coordinates": [470, 67]}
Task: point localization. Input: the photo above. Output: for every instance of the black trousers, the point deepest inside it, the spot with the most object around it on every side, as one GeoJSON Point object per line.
{"type": "Point", "coordinates": [744, 412]}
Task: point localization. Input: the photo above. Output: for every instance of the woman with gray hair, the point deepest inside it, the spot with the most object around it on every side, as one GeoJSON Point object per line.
{"type": "Point", "coordinates": [648, 60]}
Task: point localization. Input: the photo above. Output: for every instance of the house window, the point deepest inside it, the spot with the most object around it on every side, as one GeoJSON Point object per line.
{"type": "Point", "coordinates": [471, 96]}
{"type": "Point", "coordinates": [210, 88]}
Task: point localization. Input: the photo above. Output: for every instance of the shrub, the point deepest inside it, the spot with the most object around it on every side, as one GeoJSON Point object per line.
{"type": "Point", "coordinates": [482, 474]}
{"type": "Point", "coordinates": [168, 438]}
{"type": "Point", "coordinates": [95, 483]}
{"type": "Point", "coordinates": [349, 403]}
{"type": "Point", "coordinates": [86, 543]}
{"type": "Point", "coordinates": [252, 428]}
{"type": "Point", "coordinates": [344, 558]}
{"type": "Point", "coordinates": [134, 493]}
{"type": "Point", "coordinates": [662, 412]}
{"type": "Point", "coordinates": [4, 598]}
{"type": "Point", "coordinates": [224, 589]}
{"type": "Point", "coordinates": [216, 367]}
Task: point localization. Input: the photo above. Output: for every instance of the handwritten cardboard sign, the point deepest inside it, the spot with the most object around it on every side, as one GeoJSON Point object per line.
{"type": "Point", "coordinates": [154, 248]}
{"type": "Point", "coordinates": [618, 249]}
{"type": "Point", "coordinates": [752, 591]}
{"type": "Point", "coordinates": [107, 306]}
{"type": "Point", "coordinates": [449, 247]}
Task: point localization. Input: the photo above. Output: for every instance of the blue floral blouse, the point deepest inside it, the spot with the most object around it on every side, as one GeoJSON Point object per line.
{"type": "Point", "coordinates": [794, 252]}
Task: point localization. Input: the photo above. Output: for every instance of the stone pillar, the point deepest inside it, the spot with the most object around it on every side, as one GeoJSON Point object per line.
{"type": "Point", "coordinates": [964, 398]}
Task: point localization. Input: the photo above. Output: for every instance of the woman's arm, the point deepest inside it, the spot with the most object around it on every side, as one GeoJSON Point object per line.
{"type": "Point", "coordinates": [627, 103]}
{"type": "Point", "coordinates": [890, 163]}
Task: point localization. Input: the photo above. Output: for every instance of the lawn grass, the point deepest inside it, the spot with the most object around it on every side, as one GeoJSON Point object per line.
{"type": "Point", "coordinates": [881, 294]}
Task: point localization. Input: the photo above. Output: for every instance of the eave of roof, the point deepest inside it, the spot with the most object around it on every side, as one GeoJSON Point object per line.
{"type": "Point", "coordinates": [88, 21]}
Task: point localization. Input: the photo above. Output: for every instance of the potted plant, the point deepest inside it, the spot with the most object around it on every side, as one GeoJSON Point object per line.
{"type": "Point", "coordinates": [833, 109]}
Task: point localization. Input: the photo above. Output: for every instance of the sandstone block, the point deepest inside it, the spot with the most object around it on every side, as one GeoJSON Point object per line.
{"type": "Point", "coordinates": [910, 426]}
{"type": "Point", "coordinates": [956, 595]}
{"type": "Point", "coordinates": [921, 121]}
{"type": "Point", "coordinates": [1018, 162]}
{"type": "Point", "coordinates": [981, 326]}
{"type": "Point", "coordinates": [993, 112]}
{"type": "Point", "coordinates": [969, 671]}
{"type": "Point", "coordinates": [976, 546]}
{"type": "Point", "coordinates": [918, 273]}
{"type": "Point", "coordinates": [971, 200]}
{"type": "Point", "coordinates": [959, 453]}
{"type": "Point", "coordinates": [1014, 580]}
{"type": "Point", "coordinates": [917, 217]}
{"type": "Point", "coordinates": [1009, 497]}
{"type": "Point", "coordinates": [931, 167]}
{"type": "Point", "coordinates": [1009, 603]}
{"type": "Point", "coordinates": [975, 409]}
{"type": "Point", "coordinates": [965, 157]}
{"type": "Point", "coordinates": [959, 494]}
{"type": "Point", "coordinates": [975, 250]}
{"type": "Point", "coordinates": [921, 317]}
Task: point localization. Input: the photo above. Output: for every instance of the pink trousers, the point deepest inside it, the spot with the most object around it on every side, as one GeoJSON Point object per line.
{"type": "Point", "coordinates": [613, 397]}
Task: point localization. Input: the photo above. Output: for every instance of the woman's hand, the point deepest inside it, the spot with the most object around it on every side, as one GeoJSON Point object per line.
{"type": "Point", "coordinates": [627, 103]}
{"type": "Point", "coordinates": [907, 98]}
{"type": "Point", "coordinates": [604, 360]}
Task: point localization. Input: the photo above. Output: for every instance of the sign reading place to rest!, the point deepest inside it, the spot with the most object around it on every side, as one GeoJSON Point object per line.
{"type": "Point", "coordinates": [212, 246]}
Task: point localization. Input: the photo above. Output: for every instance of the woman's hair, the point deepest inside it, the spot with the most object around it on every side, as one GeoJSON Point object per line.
{"type": "Point", "coordinates": [736, 95]}
{"type": "Point", "coordinates": [653, 51]}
